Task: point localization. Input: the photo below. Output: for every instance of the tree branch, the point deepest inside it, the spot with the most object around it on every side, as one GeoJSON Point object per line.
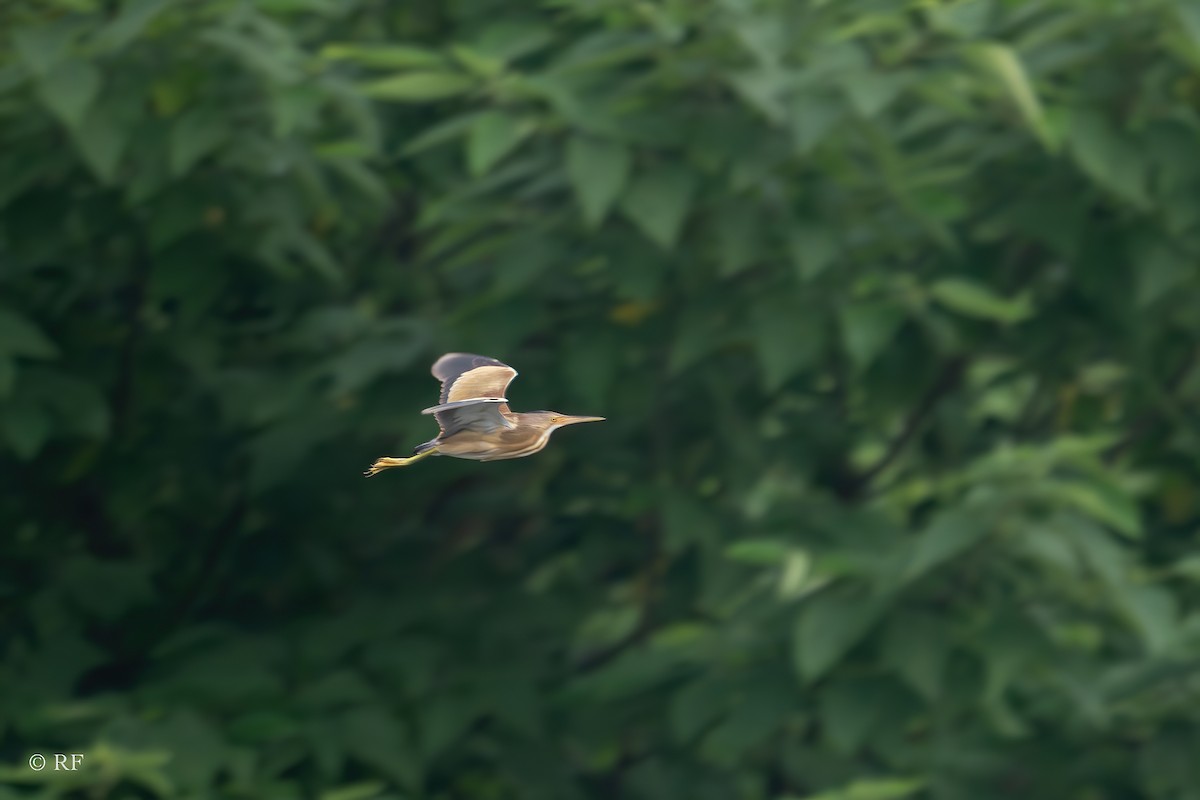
{"type": "Point", "coordinates": [1146, 422]}
{"type": "Point", "coordinates": [947, 381]}
{"type": "Point", "coordinates": [122, 401]}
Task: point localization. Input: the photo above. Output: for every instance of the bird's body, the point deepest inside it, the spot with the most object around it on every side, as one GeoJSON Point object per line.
{"type": "Point", "coordinates": [475, 420]}
{"type": "Point", "coordinates": [529, 434]}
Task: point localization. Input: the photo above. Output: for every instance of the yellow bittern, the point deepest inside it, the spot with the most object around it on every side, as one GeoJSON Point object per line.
{"type": "Point", "coordinates": [474, 417]}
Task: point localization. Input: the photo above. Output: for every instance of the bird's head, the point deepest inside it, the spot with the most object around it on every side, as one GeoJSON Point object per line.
{"type": "Point", "coordinates": [552, 420]}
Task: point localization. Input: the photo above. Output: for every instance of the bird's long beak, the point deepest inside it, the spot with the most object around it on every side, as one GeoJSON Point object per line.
{"type": "Point", "coordinates": [566, 420]}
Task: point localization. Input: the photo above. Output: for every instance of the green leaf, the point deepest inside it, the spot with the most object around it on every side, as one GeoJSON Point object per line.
{"type": "Point", "coordinates": [658, 202]}
{"type": "Point", "coordinates": [1002, 62]}
{"type": "Point", "coordinates": [8, 375]}
{"type": "Point", "coordinates": [101, 142]}
{"type": "Point", "coordinates": [69, 89]}
{"type": "Point", "coordinates": [605, 627]}
{"type": "Point", "coordinates": [131, 22]}
{"type": "Point", "coordinates": [371, 358]}
{"type": "Point", "coordinates": [871, 92]}
{"type": "Point", "coordinates": [685, 521]}
{"type": "Point", "coordinates": [697, 334]}
{"type": "Point", "coordinates": [336, 689]}
{"type": "Point", "coordinates": [829, 625]}
{"type": "Point", "coordinates": [313, 251]}
{"type": "Point", "coordinates": [763, 89]}
{"type": "Point", "coordinates": [1103, 503]}
{"type": "Point", "coordinates": [40, 47]}
{"type": "Point", "coordinates": [20, 337]}
{"type": "Point", "coordinates": [814, 116]}
{"type": "Point", "coordinates": [696, 706]}
{"type": "Point", "coordinates": [813, 248]}
{"type": "Point", "coordinates": [443, 719]}
{"type": "Point", "coordinates": [379, 739]}
{"type": "Point", "coordinates": [1159, 270]}
{"type": "Point", "coordinates": [477, 63]}
{"type": "Point", "coordinates": [916, 647]}
{"type": "Point", "coordinates": [849, 709]}
{"type": "Point", "coordinates": [787, 339]}
{"type": "Point", "coordinates": [1104, 556]}
{"type": "Point", "coordinates": [599, 171]}
{"type": "Point", "coordinates": [867, 327]}
{"type": "Point", "coordinates": [78, 405]}
{"type": "Point", "coordinates": [951, 532]}
{"type": "Point", "coordinates": [517, 266]}
{"type": "Point", "coordinates": [299, 107]}
{"type": "Point", "coordinates": [1051, 551]}
{"type": "Point", "coordinates": [193, 136]}
{"type": "Point", "coordinates": [886, 789]}
{"type": "Point", "coordinates": [106, 588]}
{"type": "Point", "coordinates": [509, 40]}
{"type": "Point", "coordinates": [747, 724]}
{"type": "Point", "coordinates": [441, 133]}
{"type": "Point", "coordinates": [1107, 157]}
{"type": "Point", "coordinates": [184, 731]}
{"type": "Point", "coordinates": [25, 428]}
{"type": "Point", "coordinates": [279, 64]}
{"type": "Point", "coordinates": [396, 56]}
{"type": "Point", "coordinates": [973, 299]}
{"type": "Point", "coordinates": [365, 790]}
{"type": "Point", "coordinates": [759, 551]}
{"type": "Point", "coordinates": [1154, 612]}
{"type": "Point", "coordinates": [796, 577]}
{"type": "Point", "coordinates": [492, 136]}
{"type": "Point", "coordinates": [740, 235]}
{"type": "Point", "coordinates": [1188, 567]}
{"type": "Point", "coordinates": [963, 20]}
{"type": "Point", "coordinates": [593, 368]}
{"type": "Point", "coordinates": [369, 181]}
{"type": "Point", "coordinates": [419, 87]}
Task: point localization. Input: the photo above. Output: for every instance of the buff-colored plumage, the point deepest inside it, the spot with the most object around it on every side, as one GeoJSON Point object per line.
{"type": "Point", "coordinates": [475, 420]}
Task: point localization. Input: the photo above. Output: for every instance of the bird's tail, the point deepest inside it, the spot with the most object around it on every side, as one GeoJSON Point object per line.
{"type": "Point", "coordinates": [421, 448]}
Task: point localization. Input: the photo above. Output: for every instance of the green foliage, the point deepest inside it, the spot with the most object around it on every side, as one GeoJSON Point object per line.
{"type": "Point", "coordinates": [891, 309]}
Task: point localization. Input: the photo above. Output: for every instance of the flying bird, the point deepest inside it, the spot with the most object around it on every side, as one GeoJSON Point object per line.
{"type": "Point", "coordinates": [475, 420]}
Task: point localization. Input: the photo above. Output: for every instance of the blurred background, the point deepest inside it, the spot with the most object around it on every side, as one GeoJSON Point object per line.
{"type": "Point", "coordinates": [893, 310]}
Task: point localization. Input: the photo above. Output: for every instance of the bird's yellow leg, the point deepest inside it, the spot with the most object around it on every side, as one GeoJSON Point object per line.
{"type": "Point", "coordinates": [387, 462]}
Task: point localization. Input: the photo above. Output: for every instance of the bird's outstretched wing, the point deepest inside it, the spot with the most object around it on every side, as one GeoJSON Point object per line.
{"type": "Point", "coordinates": [473, 393]}
{"type": "Point", "coordinates": [465, 376]}
{"type": "Point", "coordinates": [482, 414]}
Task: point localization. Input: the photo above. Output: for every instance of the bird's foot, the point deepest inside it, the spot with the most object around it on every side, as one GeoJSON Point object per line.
{"type": "Point", "coordinates": [387, 462]}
